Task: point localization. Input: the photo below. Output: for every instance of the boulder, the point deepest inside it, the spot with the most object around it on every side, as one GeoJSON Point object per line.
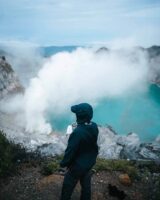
{"type": "Point", "coordinates": [125, 179]}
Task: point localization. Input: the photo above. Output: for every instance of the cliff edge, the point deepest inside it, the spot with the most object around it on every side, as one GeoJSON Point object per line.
{"type": "Point", "coordinates": [9, 82]}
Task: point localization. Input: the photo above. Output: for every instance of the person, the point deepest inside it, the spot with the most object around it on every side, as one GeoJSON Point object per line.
{"type": "Point", "coordinates": [81, 153]}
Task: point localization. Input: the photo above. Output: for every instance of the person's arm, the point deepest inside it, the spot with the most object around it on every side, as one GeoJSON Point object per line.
{"type": "Point", "coordinates": [71, 150]}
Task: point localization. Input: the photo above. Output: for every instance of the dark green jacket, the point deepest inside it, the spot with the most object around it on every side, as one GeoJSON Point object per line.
{"type": "Point", "coordinates": [82, 149]}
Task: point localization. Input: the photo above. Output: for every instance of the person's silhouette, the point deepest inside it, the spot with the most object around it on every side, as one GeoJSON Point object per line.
{"type": "Point", "coordinates": [80, 154]}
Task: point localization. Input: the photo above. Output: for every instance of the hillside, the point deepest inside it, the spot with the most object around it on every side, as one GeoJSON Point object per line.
{"type": "Point", "coordinates": [9, 82]}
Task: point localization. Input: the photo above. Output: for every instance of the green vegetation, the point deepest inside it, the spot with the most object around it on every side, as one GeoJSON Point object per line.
{"type": "Point", "coordinates": [51, 166]}
{"type": "Point", "coordinates": [132, 168]}
{"type": "Point", "coordinates": [10, 155]}
{"type": "Point", "coordinates": [117, 165]}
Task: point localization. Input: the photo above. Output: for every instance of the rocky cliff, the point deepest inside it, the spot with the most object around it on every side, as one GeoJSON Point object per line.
{"type": "Point", "coordinates": [154, 60]}
{"type": "Point", "coordinates": [9, 82]}
{"type": "Point", "coordinates": [114, 146]}
{"type": "Point", "coordinates": [111, 146]}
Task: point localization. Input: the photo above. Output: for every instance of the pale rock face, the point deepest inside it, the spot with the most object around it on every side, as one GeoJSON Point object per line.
{"type": "Point", "coordinates": [9, 82]}
{"type": "Point", "coordinates": [148, 154]}
{"type": "Point", "coordinates": [131, 139]}
{"type": "Point", "coordinates": [113, 146]}
{"type": "Point", "coordinates": [158, 139]}
{"type": "Point", "coordinates": [108, 147]}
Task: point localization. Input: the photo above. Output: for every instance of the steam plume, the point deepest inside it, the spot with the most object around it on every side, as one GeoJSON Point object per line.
{"type": "Point", "coordinates": [83, 75]}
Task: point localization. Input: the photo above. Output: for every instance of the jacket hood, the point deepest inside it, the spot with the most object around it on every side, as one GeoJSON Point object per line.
{"type": "Point", "coordinates": [83, 111]}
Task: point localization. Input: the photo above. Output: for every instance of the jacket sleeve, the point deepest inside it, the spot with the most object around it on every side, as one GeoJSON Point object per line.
{"type": "Point", "coordinates": [71, 150]}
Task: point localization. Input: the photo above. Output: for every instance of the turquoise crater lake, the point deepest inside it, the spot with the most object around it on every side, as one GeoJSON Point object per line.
{"type": "Point", "coordinates": [139, 113]}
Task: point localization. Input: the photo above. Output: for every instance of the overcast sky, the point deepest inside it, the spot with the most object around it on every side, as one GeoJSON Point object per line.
{"type": "Point", "coordinates": [80, 22]}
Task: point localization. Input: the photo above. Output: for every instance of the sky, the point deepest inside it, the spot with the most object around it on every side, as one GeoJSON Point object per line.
{"type": "Point", "coordinates": [82, 22]}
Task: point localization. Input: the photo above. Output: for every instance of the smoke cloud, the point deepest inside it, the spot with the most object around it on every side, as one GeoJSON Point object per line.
{"type": "Point", "coordinates": [24, 57]}
{"type": "Point", "coordinates": [82, 76]}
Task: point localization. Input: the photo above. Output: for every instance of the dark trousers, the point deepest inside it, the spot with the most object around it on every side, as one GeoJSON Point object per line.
{"type": "Point", "coordinates": [70, 181]}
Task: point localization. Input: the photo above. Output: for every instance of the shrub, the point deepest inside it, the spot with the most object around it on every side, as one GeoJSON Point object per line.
{"type": "Point", "coordinates": [116, 165]}
{"type": "Point", "coordinates": [10, 153]}
{"type": "Point", "coordinates": [50, 168]}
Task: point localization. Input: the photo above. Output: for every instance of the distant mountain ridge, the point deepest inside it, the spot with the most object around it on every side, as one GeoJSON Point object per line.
{"type": "Point", "coordinates": [50, 50]}
{"type": "Point", "coordinates": [47, 51]}
{"type": "Point", "coordinates": [153, 51]}
{"type": "Point", "coordinates": [153, 56]}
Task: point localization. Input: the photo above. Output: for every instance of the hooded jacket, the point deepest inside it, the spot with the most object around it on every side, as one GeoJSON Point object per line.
{"type": "Point", "coordinates": [82, 150]}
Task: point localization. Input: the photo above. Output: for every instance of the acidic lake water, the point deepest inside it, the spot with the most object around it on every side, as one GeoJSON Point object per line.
{"type": "Point", "coordinates": [139, 114]}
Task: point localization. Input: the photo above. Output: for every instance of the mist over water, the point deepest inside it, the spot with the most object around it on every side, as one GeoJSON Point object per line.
{"type": "Point", "coordinates": [82, 76]}
{"type": "Point", "coordinates": [139, 114]}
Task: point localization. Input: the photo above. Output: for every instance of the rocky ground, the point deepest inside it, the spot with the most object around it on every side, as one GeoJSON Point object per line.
{"type": "Point", "coordinates": [30, 183]}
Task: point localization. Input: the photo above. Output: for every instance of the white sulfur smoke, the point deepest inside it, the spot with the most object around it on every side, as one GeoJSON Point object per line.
{"type": "Point", "coordinates": [24, 57]}
{"type": "Point", "coordinates": [83, 75]}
